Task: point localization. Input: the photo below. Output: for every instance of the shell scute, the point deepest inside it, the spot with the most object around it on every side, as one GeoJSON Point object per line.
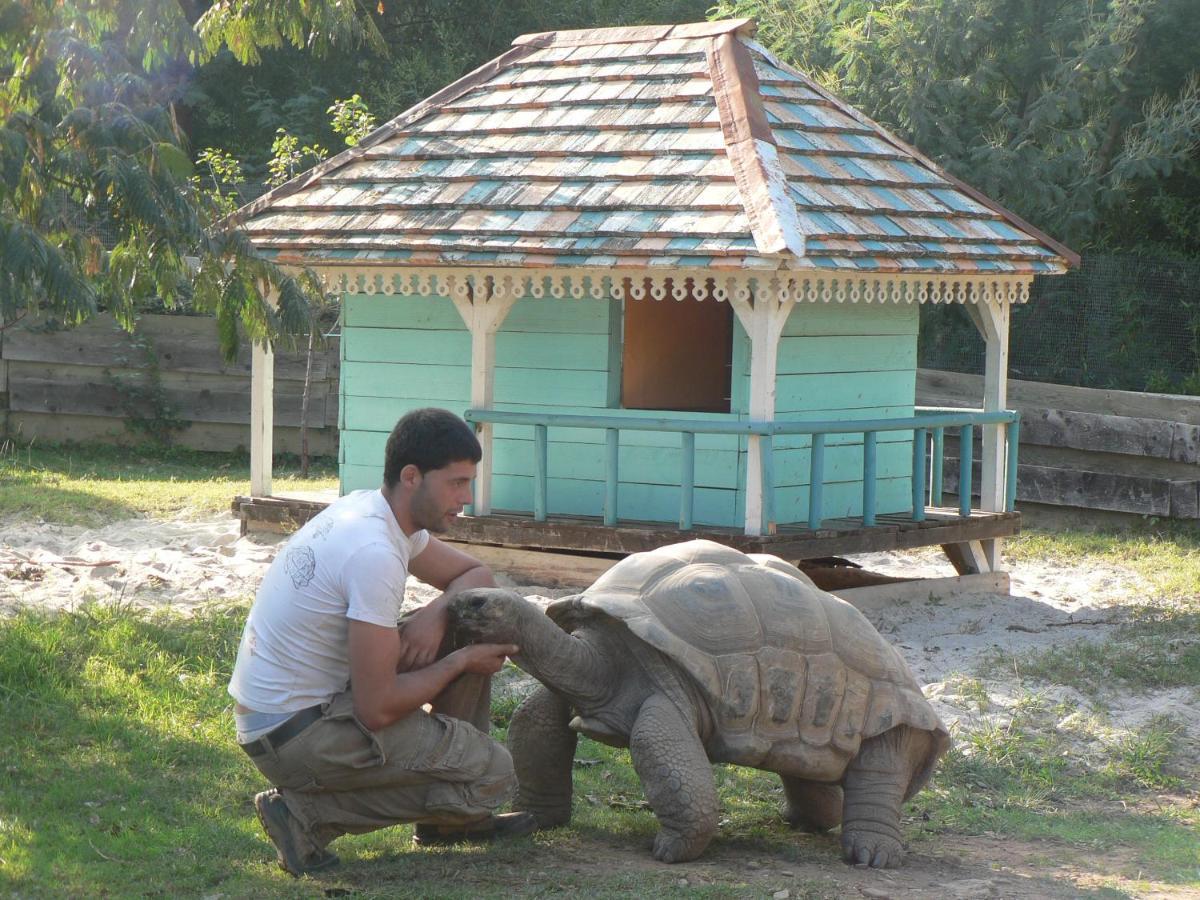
{"type": "Point", "coordinates": [783, 675]}
{"type": "Point", "coordinates": [740, 698]}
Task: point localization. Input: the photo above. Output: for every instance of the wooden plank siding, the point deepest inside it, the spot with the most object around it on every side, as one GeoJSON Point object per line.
{"type": "Point", "coordinates": [845, 361]}
{"type": "Point", "coordinates": [67, 384]}
{"type": "Point", "coordinates": [551, 355]}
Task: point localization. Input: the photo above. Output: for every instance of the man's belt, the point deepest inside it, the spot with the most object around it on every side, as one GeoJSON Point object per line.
{"type": "Point", "coordinates": [276, 738]}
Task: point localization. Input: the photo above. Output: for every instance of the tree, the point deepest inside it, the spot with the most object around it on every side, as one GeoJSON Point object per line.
{"type": "Point", "coordinates": [98, 206]}
{"type": "Point", "coordinates": [427, 44]}
{"type": "Point", "coordinates": [1073, 114]}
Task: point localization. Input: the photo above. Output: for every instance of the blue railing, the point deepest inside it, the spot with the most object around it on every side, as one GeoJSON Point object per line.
{"type": "Point", "coordinates": [926, 425]}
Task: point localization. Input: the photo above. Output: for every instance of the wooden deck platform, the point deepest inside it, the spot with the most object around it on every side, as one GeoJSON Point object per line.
{"type": "Point", "coordinates": [574, 551]}
{"type": "Point", "coordinates": [794, 542]}
{"type": "Point", "coordinates": [577, 534]}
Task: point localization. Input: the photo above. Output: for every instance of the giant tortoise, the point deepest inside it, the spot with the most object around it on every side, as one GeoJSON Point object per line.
{"type": "Point", "coordinates": [697, 653]}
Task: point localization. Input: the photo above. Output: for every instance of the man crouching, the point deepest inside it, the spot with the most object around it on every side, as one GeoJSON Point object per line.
{"type": "Point", "coordinates": [330, 682]}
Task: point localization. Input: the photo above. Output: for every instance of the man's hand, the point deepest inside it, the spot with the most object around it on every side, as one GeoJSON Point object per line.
{"type": "Point", "coordinates": [483, 659]}
{"type": "Point", "coordinates": [421, 638]}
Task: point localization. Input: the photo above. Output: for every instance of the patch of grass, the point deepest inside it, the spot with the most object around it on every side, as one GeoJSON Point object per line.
{"type": "Point", "coordinates": [1023, 773]}
{"type": "Point", "coordinates": [119, 776]}
{"type": "Point", "coordinates": [1167, 555]}
{"type": "Point", "coordinates": [91, 484]}
{"type": "Point", "coordinates": [1158, 652]}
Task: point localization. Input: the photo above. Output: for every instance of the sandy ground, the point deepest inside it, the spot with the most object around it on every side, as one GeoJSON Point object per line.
{"type": "Point", "coordinates": [187, 563]}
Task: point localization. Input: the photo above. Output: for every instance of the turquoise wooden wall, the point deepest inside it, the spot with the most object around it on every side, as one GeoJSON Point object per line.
{"type": "Point", "coordinates": [400, 353]}
{"type": "Point", "coordinates": [846, 361]}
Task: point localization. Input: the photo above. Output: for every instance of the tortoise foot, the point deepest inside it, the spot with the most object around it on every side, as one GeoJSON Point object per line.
{"type": "Point", "coordinates": [672, 847]}
{"type": "Point", "coordinates": [865, 847]}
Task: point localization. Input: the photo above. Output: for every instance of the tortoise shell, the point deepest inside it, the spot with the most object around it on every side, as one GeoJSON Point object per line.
{"type": "Point", "coordinates": [780, 663]}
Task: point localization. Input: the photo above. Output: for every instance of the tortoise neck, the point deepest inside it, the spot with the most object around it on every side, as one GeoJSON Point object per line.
{"type": "Point", "coordinates": [566, 663]}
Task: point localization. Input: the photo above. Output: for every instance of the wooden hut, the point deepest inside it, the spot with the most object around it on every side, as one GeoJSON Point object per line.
{"type": "Point", "coordinates": [675, 284]}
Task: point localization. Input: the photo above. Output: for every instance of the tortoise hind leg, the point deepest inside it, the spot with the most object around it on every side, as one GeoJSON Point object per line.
{"type": "Point", "coordinates": [811, 806]}
{"type": "Point", "coordinates": [543, 749]}
{"type": "Point", "coordinates": [874, 788]}
{"type": "Point", "coordinates": [677, 778]}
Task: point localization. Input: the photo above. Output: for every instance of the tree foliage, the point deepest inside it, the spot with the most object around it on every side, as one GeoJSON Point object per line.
{"type": "Point", "coordinates": [1076, 114]}
{"type": "Point", "coordinates": [429, 43]}
{"type": "Point", "coordinates": [99, 206]}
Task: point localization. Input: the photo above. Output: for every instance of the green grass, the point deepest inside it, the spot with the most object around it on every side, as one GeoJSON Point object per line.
{"type": "Point", "coordinates": [1085, 785]}
{"type": "Point", "coordinates": [1152, 654]}
{"type": "Point", "coordinates": [91, 484]}
{"type": "Point", "coordinates": [1166, 555]}
{"type": "Point", "coordinates": [119, 776]}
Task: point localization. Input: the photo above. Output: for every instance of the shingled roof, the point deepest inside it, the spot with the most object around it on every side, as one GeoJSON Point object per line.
{"type": "Point", "coordinates": [684, 146]}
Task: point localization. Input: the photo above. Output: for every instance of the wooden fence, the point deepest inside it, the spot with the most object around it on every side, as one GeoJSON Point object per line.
{"type": "Point", "coordinates": [97, 382]}
{"type": "Point", "coordinates": [1112, 451]}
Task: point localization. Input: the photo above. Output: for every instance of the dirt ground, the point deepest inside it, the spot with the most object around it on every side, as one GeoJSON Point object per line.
{"type": "Point", "coordinates": [187, 563]}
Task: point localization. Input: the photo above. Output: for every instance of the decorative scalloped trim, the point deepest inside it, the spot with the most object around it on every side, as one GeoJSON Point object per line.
{"type": "Point", "coordinates": [678, 284]}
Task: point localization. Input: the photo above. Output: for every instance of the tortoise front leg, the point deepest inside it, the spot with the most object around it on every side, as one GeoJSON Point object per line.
{"type": "Point", "coordinates": [543, 749]}
{"type": "Point", "coordinates": [677, 778]}
{"type": "Point", "coordinates": [873, 791]}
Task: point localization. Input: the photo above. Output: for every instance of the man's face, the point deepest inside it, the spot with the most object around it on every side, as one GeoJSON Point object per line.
{"type": "Point", "coordinates": [441, 495]}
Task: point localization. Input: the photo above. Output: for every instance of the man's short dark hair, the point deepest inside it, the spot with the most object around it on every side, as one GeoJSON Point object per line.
{"type": "Point", "coordinates": [428, 438]}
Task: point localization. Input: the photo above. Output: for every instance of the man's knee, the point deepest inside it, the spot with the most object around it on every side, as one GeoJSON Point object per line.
{"type": "Point", "coordinates": [483, 794]}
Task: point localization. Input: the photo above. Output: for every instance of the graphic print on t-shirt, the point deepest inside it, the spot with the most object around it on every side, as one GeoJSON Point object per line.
{"type": "Point", "coordinates": [301, 566]}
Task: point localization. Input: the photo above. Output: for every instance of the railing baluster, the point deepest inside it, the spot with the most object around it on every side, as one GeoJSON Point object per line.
{"type": "Point", "coordinates": [869, 474]}
{"type": "Point", "coordinates": [612, 437]}
{"type": "Point", "coordinates": [1012, 442]}
{"type": "Point", "coordinates": [966, 452]}
{"type": "Point", "coordinates": [816, 481]}
{"type": "Point", "coordinates": [766, 449]}
{"type": "Point", "coordinates": [687, 480]}
{"type": "Point", "coordinates": [539, 473]}
{"type": "Point", "coordinates": [927, 428]}
{"type": "Point", "coordinates": [935, 476]}
{"type": "Point", "coordinates": [918, 475]}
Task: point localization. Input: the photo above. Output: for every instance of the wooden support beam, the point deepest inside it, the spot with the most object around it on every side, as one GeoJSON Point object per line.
{"type": "Point", "coordinates": [483, 317]}
{"type": "Point", "coordinates": [969, 557]}
{"type": "Point", "coordinates": [262, 414]}
{"type": "Point", "coordinates": [992, 320]}
{"type": "Point", "coordinates": [763, 321]}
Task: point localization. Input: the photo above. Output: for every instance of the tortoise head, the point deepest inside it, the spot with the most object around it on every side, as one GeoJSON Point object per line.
{"type": "Point", "coordinates": [488, 615]}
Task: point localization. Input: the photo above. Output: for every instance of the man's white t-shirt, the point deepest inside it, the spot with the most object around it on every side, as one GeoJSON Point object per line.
{"type": "Point", "coordinates": [349, 562]}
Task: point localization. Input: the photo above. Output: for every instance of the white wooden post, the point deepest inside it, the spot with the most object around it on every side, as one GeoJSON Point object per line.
{"type": "Point", "coordinates": [992, 320]}
{"type": "Point", "coordinates": [483, 318]}
{"type": "Point", "coordinates": [262, 404]}
{"type": "Point", "coordinates": [763, 320]}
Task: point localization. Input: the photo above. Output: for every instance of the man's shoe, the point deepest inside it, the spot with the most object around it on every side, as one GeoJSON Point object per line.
{"type": "Point", "coordinates": [505, 825]}
{"type": "Point", "coordinates": [297, 855]}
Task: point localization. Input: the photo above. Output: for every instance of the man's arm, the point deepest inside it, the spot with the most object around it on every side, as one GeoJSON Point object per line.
{"type": "Point", "coordinates": [447, 568]}
{"type": "Point", "coordinates": [381, 696]}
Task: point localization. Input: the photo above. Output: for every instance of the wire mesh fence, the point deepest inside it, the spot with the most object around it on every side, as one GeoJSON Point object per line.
{"type": "Point", "coordinates": [1119, 322]}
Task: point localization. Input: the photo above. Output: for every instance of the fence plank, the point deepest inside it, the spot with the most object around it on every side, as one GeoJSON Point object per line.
{"type": "Point", "coordinates": [955, 388]}
{"type": "Point", "coordinates": [96, 396]}
{"type": "Point", "coordinates": [61, 384]}
{"type": "Point", "coordinates": [1155, 438]}
{"type": "Point", "coordinates": [215, 436]}
{"type": "Point", "coordinates": [1111, 491]}
{"type": "Point", "coordinates": [181, 343]}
